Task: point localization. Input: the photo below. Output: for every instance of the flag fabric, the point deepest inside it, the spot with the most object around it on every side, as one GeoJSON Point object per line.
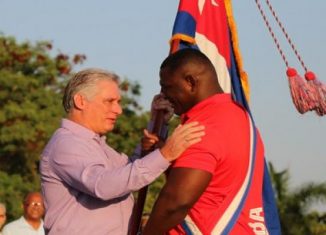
{"type": "Point", "coordinates": [193, 28]}
{"type": "Point", "coordinates": [208, 26]}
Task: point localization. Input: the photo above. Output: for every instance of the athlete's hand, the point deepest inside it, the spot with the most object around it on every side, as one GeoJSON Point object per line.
{"type": "Point", "coordinates": [149, 141]}
{"type": "Point", "coordinates": [161, 103]}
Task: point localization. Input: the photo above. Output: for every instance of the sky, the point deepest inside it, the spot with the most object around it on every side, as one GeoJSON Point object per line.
{"type": "Point", "coordinates": [131, 39]}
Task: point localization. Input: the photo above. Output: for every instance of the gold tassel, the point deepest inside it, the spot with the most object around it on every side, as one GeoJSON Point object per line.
{"type": "Point", "coordinates": [235, 43]}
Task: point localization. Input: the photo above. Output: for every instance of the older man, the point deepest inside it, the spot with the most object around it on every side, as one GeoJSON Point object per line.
{"type": "Point", "coordinates": [87, 184]}
{"type": "Point", "coordinates": [31, 222]}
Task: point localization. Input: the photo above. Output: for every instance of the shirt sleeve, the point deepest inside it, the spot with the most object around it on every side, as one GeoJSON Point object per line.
{"type": "Point", "coordinates": [199, 156]}
{"type": "Point", "coordinates": [201, 161]}
{"type": "Point", "coordinates": [79, 168]}
{"type": "Point", "coordinates": [205, 155]}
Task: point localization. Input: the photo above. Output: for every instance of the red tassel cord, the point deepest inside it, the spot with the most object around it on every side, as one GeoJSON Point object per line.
{"type": "Point", "coordinates": [308, 94]}
{"type": "Point", "coordinates": [319, 92]}
{"type": "Point", "coordinates": [302, 94]}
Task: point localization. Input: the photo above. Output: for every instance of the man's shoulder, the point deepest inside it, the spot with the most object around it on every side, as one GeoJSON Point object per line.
{"type": "Point", "coordinates": [14, 222]}
{"type": "Point", "coordinates": [13, 226]}
{"type": "Point", "coordinates": [64, 142]}
{"type": "Point", "coordinates": [65, 138]}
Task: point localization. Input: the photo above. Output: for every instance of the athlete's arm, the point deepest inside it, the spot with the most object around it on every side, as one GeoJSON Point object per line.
{"type": "Point", "coordinates": [182, 189]}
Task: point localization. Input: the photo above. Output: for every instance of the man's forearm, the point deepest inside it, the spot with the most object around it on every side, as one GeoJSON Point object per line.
{"type": "Point", "coordinates": [182, 190]}
{"type": "Point", "coordinates": [164, 218]}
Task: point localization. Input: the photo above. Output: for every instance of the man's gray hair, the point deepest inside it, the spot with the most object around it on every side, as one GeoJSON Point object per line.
{"type": "Point", "coordinates": [85, 82]}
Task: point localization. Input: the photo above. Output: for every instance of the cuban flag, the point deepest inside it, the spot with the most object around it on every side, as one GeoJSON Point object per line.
{"type": "Point", "coordinates": [208, 26]}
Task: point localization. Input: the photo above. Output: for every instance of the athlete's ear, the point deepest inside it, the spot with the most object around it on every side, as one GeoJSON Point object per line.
{"type": "Point", "coordinates": [191, 82]}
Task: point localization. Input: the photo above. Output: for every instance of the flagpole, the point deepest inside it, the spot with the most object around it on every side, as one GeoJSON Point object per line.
{"type": "Point", "coordinates": [158, 120]}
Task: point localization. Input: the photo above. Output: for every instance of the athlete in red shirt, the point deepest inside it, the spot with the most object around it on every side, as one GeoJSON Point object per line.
{"type": "Point", "coordinates": [215, 187]}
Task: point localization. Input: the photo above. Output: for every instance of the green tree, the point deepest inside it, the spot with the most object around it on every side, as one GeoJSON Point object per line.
{"type": "Point", "coordinates": [295, 206]}
{"type": "Point", "coordinates": [31, 81]}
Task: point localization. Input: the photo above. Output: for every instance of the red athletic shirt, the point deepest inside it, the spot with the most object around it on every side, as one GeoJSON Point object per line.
{"type": "Point", "coordinates": [224, 152]}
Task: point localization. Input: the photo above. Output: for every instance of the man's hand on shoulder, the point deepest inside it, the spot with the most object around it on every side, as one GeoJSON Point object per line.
{"type": "Point", "coordinates": [182, 137]}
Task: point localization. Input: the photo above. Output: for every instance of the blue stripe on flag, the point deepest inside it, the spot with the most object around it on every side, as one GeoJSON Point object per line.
{"type": "Point", "coordinates": [272, 220]}
{"type": "Point", "coordinates": [237, 91]}
{"type": "Point", "coordinates": [184, 24]}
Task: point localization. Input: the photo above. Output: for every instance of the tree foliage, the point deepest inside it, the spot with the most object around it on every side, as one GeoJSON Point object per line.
{"type": "Point", "coordinates": [31, 81]}
{"type": "Point", "coordinates": [295, 206]}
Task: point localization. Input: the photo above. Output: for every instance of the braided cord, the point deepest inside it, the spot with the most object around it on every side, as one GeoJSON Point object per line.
{"type": "Point", "coordinates": [286, 35]}
{"type": "Point", "coordinates": [272, 33]}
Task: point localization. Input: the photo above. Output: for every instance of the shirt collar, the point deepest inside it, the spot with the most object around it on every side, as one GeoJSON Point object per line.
{"type": "Point", "coordinates": [24, 221]}
{"type": "Point", "coordinates": [80, 130]}
{"type": "Point", "coordinates": [215, 99]}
